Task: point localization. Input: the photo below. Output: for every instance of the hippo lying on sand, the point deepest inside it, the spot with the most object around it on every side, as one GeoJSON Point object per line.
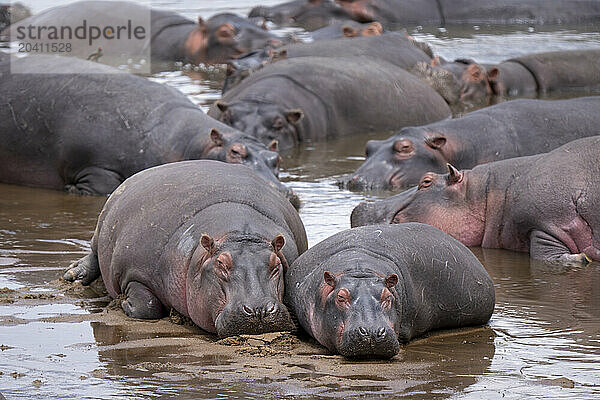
{"type": "Point", "coordinates": [317, 98]}
{"type": "Point", "coordinates": [172, 36]}
{"type": "Point", "coordinates": [208, 239]}
{"type": "Point", "coordinates": [545, 204]}
{"type": "Point", "coordinates": [85, 127]}
{"type": "Point", "coordinates": [362, 291]}
{"type": "Point", "coordinates": [511, 129]}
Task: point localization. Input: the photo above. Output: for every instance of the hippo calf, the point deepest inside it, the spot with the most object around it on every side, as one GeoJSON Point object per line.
{"type": "Point", "coordinates": [208, 239]}
{"type": "Point", "coordinates": [510, 129]}
{"type": "Point", "coordinates": [84, 127]}
{"type": "Point", "coordinates": [363, 291]}
{"type": "Point", "coordinates": [317, 98]}
{"type": "Point", "coordinates": [545, 204]}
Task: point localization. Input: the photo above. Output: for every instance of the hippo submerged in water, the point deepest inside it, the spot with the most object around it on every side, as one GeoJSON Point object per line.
{"type": "Point", "coordinates": [545, 204]}
{"type": "Point", "coordinates": [396, 48]}
{"type": "Point", "coordinates": [511, 129]}
{"type": "Point", "coordinates": [208, 239]}
{"type": "Point", "coordinates": [317, 98]}
{"type": "Point", "coordinates": [363, 291]}
{"type": "Point", "coordinates": [465, 81]}
{"type": "Point", "coordinates": [172, 36]}
{"type": "Point", "coordinates": [89, 127]}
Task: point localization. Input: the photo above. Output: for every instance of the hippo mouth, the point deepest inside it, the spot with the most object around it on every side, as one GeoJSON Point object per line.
{"type": "Point", "coordinates": [366, 346]}
{"type": "Point", "coordinates": [230, 323]}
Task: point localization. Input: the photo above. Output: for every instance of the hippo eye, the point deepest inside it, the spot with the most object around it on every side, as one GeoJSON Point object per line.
{"type": "Point", "coordinates": [425, 182]}
{"type": "Point", "coordinates": [387, 301]}
{"type": "Point", "coordinates": [275, 270]}
{"type": "Point", "coordinates": [343, 298]}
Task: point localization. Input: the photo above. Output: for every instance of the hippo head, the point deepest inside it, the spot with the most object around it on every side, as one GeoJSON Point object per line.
{"type": "Point", "coordinates": [461, 82]}
{"type": "Point", "coordinates": [440, 200]}
{"type": "Point", "coordinates": [264, 121]}
{"type": "Point", "coordinates": [240, 68]}
{"type": "Point", "coordinates": [213, 45]}
{"type": "Point", "coordinates": [360, 10]}
{"type": "Point", "coordinates": [280, 14]}
{"type": "Point", "coordinates": [360, 311]}
{"type": "Point", "coordinates": [399, 161]}
{"type": "Point", "coordinates": [237, 148]}
{"type": "Point", "coordinates": [372, 29]}
{"type": "Point", "coordinates": [315, 14]}
{"type": "Point", "coordinates": [236, 286]}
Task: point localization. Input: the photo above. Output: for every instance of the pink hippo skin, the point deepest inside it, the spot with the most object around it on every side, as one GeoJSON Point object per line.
{"type": "Point", "coordinates": [545, 204]}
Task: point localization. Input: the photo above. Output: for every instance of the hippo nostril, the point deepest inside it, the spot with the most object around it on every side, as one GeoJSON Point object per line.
{"type": "Point", "coordinates": [271, 308]}
{"type": "Point", "coordinates": [248, 310]}
{"type": "Point", "coordinates": [362, 331]}
{"type": "Point", "coordinates": [381, 332]}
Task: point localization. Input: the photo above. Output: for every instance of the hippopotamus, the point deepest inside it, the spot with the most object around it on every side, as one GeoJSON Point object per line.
{"type": "Point", "coordinates": [545, 204]}
{"type": "Point", "coordinates": [84, 127]}
{"type": "Point", "coordinates": [363, 291]}
{"type": "Point", "coordinates": [347, 29]}
{"type": "Point", "coordinates": [171, 37]}
{"type": "Point", "coordinates": [446, 12]}
{"type": "Point", "coordinates": [308, 14]}
{"type": "Point", "coordinates": [208, 239]}
{"type": "Point", "coordinates": [316, 98]}
{"type": "Point", "coordinates": [396, 48]}
{"type": "Point", "coordinates": [466, 81]}
{"type": "Point", "coordinates": [511, 129]}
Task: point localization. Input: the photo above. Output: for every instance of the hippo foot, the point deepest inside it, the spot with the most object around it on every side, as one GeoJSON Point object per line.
{"type": "Point", "coordinates": [141, 303]}
{"type": "Point", "coordinates": [85, 270]}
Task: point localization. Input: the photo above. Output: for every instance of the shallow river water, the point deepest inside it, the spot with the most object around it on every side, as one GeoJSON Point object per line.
{"type": "Point", "coordinates": [60, 341]}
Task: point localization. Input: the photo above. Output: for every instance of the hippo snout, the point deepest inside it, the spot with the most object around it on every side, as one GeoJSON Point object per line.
{"type": "Point", "coordinates": [254, 319]}
{"type": "Point", "coordinates": [370, 341]}
{"type": "Point", "coordinates": [368, 213]}
{"type": "Point", "coordinates": [358, 183]}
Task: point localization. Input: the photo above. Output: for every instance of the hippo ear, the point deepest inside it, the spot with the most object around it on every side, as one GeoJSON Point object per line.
{"type": "Point", "coordinates": [373, 29]}
{"type": "Point", "coordinates": [274, 145]}
{"type": "Point", "coordinates": [201, 21]}
{"type": "Point", "coordinates": [493, 74]}
{"type": "Point", "coordinates": [222, 105]}
{"type": "Point", "coordinates": [293, 116]}
{"type": "Point", "coordinates": [278, 243]}
{"type": "Point", "coordinates": [348, 31]}
{"type": "Point", "coordinates": [391, 281]}
{"type": "Point", "coordinates": [455, 175]}
{"type": "Point", "coordinates": [225, 32]}
{"type": "Point", "coordinates": [216, 137]}
{"type": "Point", "coordinates": [436, 142]}
{"type": "Point", "coordinates": [329, 279]}
{"type": "Point", "coordinates": [474, 73]}
{"type": "Point", "coordinates": [208, 243]}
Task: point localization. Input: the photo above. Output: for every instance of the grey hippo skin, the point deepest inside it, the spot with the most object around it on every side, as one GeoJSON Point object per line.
{"type": "Point", "coordinates": [308, 14]}
{"type": "Point", "coordinates": [442, 12]}
{"type": "Point", "coordinates": [318, 98]}
{"type": "Point", "coordinates": [173, 37]}
{"type": "Point", "coordinates": [208, 239]}
{"type": "Point", "coordinates": [396, 48]}
{"type": "Point", "coordinates": [364, 291]}
{"type": "Point", "coordinates": [510, 129]}
{"type": "Point", "coordinates": [545, 204]}
{"type": "Point", "coordinates": [464, 81]}
{"type": "Point", "coordinates": [85, 127]}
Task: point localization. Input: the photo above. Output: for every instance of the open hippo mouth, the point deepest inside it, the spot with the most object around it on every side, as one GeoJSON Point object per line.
{"type": "Point", "coordinates": [273, 317]}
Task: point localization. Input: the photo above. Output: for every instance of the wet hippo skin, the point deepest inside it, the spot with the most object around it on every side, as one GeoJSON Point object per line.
{"type": "Point", "coordinates": [510, 129]}
{"type": "Point", "coordinates": [363, 291]}
{"type": "Point", "coordinates": [87, 127]}
{"type": "Point", "coordinates": [544, 204]}
{"type": "Point", "coordinates": [208, 239]}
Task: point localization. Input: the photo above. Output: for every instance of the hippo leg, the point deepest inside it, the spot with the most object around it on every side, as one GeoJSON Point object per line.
{"type": "Point", "coordinates": [547, 248]}
{"type": "Point", "coordinates": [95, 181]}
{"type": "Point", "coordinates": [85, 270]}
{"type": "Point", "coordinates": [141, 303]}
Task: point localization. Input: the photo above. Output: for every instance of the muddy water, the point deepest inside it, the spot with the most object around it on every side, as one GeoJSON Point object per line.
{"type": "Point", "coordinates": [60, 341]}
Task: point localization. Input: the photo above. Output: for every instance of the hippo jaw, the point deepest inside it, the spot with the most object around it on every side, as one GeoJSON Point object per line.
{"type": "Point", "coordinates": [369, 342]}
{"type": "Point", "coordinates": [238, 317]}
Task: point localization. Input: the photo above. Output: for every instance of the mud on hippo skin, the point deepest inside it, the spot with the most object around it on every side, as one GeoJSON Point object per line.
{"type": "Point", "coordinates": [177, 236]}
{"type": "Point", "coordinates": [510, 129]}
{"type": "Point", "coordinates": [364, 291]}
{"type": "Point", "coordinates": [554, 218]}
